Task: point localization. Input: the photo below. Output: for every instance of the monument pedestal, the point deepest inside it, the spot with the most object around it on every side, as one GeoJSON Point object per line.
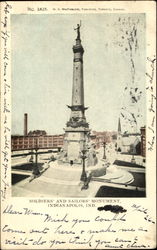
{"type": "Point", "coordinates": [75, 140]}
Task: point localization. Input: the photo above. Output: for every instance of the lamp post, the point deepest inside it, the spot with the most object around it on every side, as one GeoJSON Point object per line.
{"type": "Point", "coordinates": [133, 159]}
{"type": "Point", "coordinates": [31, 158]}
{"type": "Point", "coordinates": [104, 146]}
{"type": "Point", "coordinates": [36, 171]}
{"type": "Point", "coordinates": [83, 175]}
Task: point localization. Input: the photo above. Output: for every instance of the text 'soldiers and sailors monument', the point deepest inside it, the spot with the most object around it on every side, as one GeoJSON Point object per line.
{"type": "Point", "coordinates": [77, 129]}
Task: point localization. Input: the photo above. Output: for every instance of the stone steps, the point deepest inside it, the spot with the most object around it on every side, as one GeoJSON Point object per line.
{"type": "Point", "coordinates": [62, 174]}
{"type": "Point", "coordinates": [55, 189]}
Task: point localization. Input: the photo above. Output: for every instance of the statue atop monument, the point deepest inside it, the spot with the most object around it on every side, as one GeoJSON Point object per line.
{"type": "Point", "coordinates": [78, 31]}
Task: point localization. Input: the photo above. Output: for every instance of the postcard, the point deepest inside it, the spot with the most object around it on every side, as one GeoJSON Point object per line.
{"type": "Point", "coordinates": [78, 125]}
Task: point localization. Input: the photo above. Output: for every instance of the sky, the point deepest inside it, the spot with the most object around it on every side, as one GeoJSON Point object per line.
{"type": "Point", "coordinates": [42, 70]}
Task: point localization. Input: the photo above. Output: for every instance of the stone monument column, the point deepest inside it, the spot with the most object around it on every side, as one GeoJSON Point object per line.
{"type": "Point", "coordinates": [78, 88]}
{"type": "Point", "coordinates": [77, 129]}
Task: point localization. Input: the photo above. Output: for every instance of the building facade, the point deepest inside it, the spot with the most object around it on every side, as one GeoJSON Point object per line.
{"type": "Point", "coordinates": [39, 139]}
{"type": "Point", "coordinates": [131, 144]}
{"type": "Point", "coordinates": [143, 141]}
{"type": "Point", "coordinates": [37, 133]}
{"type": "Point", "coordinates": [34, 142]}
{"type": "Point", "coordinates": [98, 138]}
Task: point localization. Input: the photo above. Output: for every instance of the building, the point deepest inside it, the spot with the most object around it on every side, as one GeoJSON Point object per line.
{"type": "Point", "coordinates": [33, 142]}
{"type": "Point", "coordinates": [131, 143]}
{"type": "Point", "coordinates": [98, 138]}
{"type": "Point", "coordinates": [143, 141]}
{"type": "Point", "coordinates": [37, 133]}
{"type": "Point", "coordinates": [35, 139]}
{"type": "Point", "coordinates": [42, 140]}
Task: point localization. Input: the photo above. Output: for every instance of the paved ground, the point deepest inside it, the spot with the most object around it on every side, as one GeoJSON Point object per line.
{"type": "Point", "coordinates": [64, 181]}
{"type": "Point", "coordinates": [54, 182]}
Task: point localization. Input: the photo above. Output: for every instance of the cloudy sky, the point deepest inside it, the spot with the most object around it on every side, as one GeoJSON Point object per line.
{"type": "Point", "coordinates": [42, 68]}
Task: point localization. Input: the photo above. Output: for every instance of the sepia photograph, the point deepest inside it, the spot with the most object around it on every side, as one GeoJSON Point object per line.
{"type": "Point", "coordinates": [78, 105]}
{"type": "Point", "coordinates": [78, 125]}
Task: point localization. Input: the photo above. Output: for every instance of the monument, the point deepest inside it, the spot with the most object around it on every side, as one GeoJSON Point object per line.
{"type": "Point", "coordinates": [77, 130]}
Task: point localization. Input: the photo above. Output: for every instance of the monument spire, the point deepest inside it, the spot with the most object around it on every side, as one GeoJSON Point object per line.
{"type": "Point", "coordinates": [78, 88]}
{"type": "Point", "coordinates": [77, 105]}
{"type": "Point", "coordinates": [77, 129]}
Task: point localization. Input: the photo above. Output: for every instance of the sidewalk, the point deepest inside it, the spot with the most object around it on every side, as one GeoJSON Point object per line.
{"type": "Point", "coordinates": [64, 181]}
{"type": "Point", "coordinates": [56, 181]}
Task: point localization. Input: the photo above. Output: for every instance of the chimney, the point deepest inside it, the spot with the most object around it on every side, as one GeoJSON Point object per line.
{"type": "Point", "coordinates": [25, 124]}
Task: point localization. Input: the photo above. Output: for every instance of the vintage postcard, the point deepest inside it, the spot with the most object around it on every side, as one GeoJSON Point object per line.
{"type": "Point", "coordinates": [78, 125]}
